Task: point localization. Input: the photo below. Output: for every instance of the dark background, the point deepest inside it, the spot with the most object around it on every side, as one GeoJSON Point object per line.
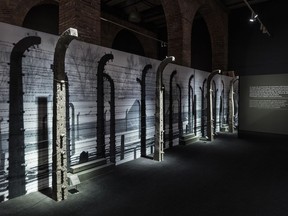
{"type": "Point", "coordinates": [250, 51]}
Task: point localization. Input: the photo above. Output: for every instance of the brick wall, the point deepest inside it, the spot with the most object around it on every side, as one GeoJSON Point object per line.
{"type": "Point", "coordinates": [5, 11]}
{"type": "Point", "coordinates": [179, 18]}
{"type": "Point", "coordinates": [109, 31]}
{"type": "Point", "coordinates": [217, 23]}
{"type": "Point", "coordinates": [85, 15]}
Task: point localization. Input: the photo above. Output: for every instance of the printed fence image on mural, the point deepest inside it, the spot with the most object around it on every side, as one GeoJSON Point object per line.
{"type": "Point", "coordinates": [110, 108]}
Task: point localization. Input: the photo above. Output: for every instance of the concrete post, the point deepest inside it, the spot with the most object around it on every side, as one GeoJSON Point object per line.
{"type": "Point", "coordinates": [68, 129]}
{"type": "Point", "coordinates": [195, 114]}
{"type": "Point", "coordinates": [209, 105]}
{"type": "Point", "coordinates": [231, 105]}
{"type": "Point", "coordinates": [59, 175]}
{"type": "Point", "coordinates": [164, 117]}
{"type": "Point", "coordinates": [221, 110]}
{"type": "Point", "coordinates": [189, 104]}
{"type": "Point", "coordinates": [159, 126]}
{"type": "Point", "coordinates": [215, 107]}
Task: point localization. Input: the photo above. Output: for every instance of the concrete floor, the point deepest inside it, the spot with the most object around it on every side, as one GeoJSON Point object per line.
{"type": "Point", "coordinates": [225, 177]}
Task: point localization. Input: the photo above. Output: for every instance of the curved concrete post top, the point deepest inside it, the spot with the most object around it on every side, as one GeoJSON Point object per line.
{"type": "Point", "coordinates": [161, 68]}
{"type": "Point", "coordinates": [211, 75]}
{"type": "Point", "coordinates": [59, 56]}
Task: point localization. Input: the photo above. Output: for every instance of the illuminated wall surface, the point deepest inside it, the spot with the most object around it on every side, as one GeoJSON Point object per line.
{"type": "Point", "coordinates": [264, 103]}
{"type": "Point", "coordinates": [81, 68]}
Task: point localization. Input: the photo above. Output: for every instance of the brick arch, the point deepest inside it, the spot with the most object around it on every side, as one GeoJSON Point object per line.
{"type": "Point", "coordinates": [4, 11]}
{"type": "Point", "coordinates": [24, 6]}
{"type": "Point", "coordinates": [217, 23]}
{"type": "Point", "coordinates": [179, 18]}
{"type": "Point", "coordinates": [109, 31]}
{"type": "Point", "coordinates": [172, 12]}
{"type": "Point", "coordinates": [133, 38]}
{"type": "Point", "coordinates": [107, 39]}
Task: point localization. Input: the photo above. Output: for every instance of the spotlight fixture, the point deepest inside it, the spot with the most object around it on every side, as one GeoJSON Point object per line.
{"type": "Point", "coordinates": [263, 29]}
{"type": "Point", "coordinates": [135, 16]}
{"type": "Point", "coordinates": [254, 17]}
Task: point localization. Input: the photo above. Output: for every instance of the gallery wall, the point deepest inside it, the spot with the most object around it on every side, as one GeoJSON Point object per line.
{"type": "Point", "coordinates": [260, 60]}
{"type": "Point", "coordinates": [250, 51]}
{"type": "Point", "coordinates": [264, 104]}
{"type": "Point", "coordinates": [81, 64]}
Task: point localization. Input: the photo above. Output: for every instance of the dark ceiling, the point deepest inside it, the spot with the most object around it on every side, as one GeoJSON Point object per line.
{"type": "Point", "coordinates": [233, 4]}
{"type": "Point", "coordinates": [149, 13]}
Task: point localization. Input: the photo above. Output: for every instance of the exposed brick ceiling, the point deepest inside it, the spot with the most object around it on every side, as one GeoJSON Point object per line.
{"type": "Point", "coordinates": [232, 4]}
{"type": "Point", "coordinates": [151, 13]}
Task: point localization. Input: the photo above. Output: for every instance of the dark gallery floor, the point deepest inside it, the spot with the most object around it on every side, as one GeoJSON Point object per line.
{"type": "Point", "coordinates": [228, 176]}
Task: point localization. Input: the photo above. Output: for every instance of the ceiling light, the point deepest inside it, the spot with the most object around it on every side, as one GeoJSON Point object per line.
{"type": "Point", "coordinates": [253, 17]}
{"type": "Point", "coordinates": [134, 17]}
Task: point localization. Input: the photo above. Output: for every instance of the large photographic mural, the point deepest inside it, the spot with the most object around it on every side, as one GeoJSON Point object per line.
{"type": "Point", "coordinates": [127, 87]}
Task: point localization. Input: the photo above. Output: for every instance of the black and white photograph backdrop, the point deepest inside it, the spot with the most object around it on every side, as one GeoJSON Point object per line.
{"type": "Point", "coordinates": [26, 133]}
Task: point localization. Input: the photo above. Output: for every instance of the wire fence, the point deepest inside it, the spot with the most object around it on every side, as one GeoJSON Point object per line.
{"type": "Point", "coordinates": [81, 70]}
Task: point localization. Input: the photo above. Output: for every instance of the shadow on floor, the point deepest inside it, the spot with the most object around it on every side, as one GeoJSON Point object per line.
{"type": "Point", "coordinates": [228, 176]}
